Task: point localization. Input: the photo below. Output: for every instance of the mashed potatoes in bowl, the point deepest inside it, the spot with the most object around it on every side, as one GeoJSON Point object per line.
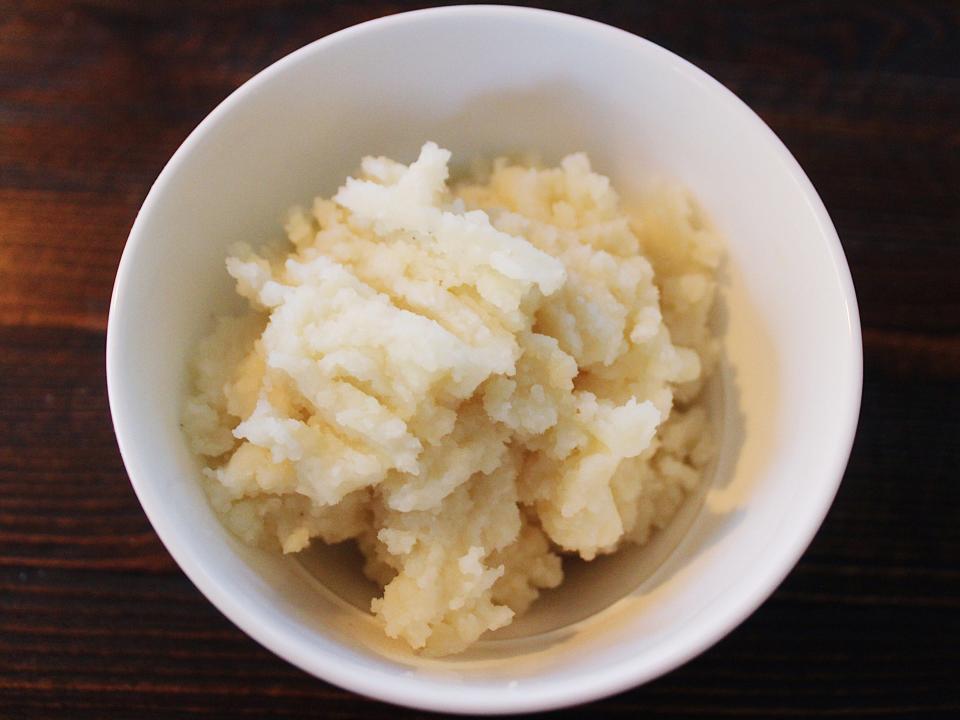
{"type": "Point", "coordinates": [483, 81]}
{"type": "Point", "coordinates": [470, 379]}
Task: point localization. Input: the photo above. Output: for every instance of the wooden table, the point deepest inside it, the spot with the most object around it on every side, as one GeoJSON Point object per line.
{"type": "Point", "coordinates": [96, 621]}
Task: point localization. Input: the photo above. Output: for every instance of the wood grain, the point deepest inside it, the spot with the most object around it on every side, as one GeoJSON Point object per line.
{"type": "Point", "coordinates": [96, 621]}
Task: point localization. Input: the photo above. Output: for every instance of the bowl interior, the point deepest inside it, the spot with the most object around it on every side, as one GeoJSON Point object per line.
{"type": "Point", "coordinates": [484, 81]}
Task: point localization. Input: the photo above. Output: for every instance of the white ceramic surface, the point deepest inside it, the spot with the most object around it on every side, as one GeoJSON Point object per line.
{"type": "Point", "coordinates": [486, 80]}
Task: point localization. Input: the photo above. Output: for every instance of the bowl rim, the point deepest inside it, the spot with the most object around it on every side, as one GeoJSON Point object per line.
{"type": "Point", "coordinates": [425, 692]}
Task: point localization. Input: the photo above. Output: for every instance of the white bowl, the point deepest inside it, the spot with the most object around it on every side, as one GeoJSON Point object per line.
{"type": "Point", "coordinates": [485, 80]}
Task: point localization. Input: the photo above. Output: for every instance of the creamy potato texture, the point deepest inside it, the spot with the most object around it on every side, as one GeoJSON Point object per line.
{"type": "Point", "coordinates": [468, 379]}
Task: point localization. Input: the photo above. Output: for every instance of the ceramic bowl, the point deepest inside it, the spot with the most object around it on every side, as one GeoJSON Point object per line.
{"type": "Point", "coordinates": [484, 81]}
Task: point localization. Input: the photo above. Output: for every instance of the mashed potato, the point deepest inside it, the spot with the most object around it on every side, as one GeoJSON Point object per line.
{"type": "Point", "coordinates": [469, 381]}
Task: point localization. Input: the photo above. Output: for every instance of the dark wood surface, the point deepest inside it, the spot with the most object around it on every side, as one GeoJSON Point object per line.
{"type": "Point", "coordinates": [96, 621]}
